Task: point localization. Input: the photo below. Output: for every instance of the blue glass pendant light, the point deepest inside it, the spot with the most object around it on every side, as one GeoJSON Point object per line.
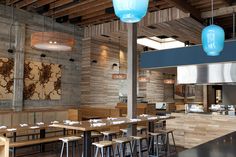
{"type": "Point", "coordinates": [130, 11]}
{"type": "Point", "coordinates": [213, 38]}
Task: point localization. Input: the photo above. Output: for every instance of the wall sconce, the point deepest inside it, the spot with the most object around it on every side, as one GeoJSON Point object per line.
{"type": "Point", "coordinates": [42, 55]}
{"type": "Point", "coordinates": [10, 50]}
{"type": "Point", "coordinates": [94, 62]}
{"type": "Point", "coordinates": [71, 60]}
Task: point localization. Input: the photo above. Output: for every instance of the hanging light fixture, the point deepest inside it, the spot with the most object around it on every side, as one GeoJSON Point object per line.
{"type": "Point", "coordinates": [119, 76]}
{"type": "Point", "coordinates": [143, 77]}
{"type": "Point", "coordinates": [168, 78]}
{"type": "Point", "coordinates": [52, 41]}
{"type": "Point", "coordinates": [130, 11]}
{"type": "Point", "coordinates": [213, 38]}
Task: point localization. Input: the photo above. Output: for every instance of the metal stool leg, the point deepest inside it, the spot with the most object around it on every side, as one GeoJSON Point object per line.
{"type": "Point", "coordinates": [102, 152]}
{"type": "Point", "coordinates": [62, 149]}
{"type": "Point", "coordinates": [172, 134]}
{"type": "Point", "coordinates": [140, 148]}
{"type": "Point", "coordinates": [67, 149]}
{"type": "Point", "coordinates": [96, 153]}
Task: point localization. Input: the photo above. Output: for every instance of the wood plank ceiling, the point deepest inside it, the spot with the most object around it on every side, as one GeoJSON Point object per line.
{"type": "Point", "coordinates": [93, 12]}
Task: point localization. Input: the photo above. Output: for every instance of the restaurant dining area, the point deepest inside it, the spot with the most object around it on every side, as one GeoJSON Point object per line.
{"type": "Point", "coordinates": [117, 78]}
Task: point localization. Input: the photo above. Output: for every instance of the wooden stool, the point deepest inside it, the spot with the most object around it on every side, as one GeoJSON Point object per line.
{"type": "Point", "coordinates": [142, 129]}
{"type": "Point", "coordinates": [121, 145]}
{"type": "Point", "coordinates": [107, 135]}
{"type": "Point", "coordinates": [169, 133]}
{"type": "Point", "coordinates": [138, 141]}
{"type": "Point", "coordinates": [102, 145]}
{"type": "Point", "coordinates": [157, 140]}
{"type": "Point", "coordinates": [124, 132]}
{"type": "Point", "coordinates": [66, 140]}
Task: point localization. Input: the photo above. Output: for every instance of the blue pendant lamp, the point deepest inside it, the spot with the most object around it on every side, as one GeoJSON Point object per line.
{"type": "Point", "coordinates": [130, 11]}
{"type": "Point", "coordinates": [213, 38]}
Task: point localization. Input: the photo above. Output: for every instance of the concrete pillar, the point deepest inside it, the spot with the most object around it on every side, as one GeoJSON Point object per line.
{"type": "Point", "coordinates": [132, 76]}
{"type": "Point", "coordinates": [19, 47]}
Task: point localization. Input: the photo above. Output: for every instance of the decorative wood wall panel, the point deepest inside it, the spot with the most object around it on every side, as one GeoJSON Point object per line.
{"type": "Point", "coordinates": [6, 78]}
{"type": "Point", "coordinates": [42, 81]}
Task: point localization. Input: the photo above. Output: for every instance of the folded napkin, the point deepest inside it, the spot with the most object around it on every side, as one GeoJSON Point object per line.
{"type": "Point", "coordinates": [135, 120]}
{"type": "Point", "coordinates": [12, 129]}
{"type": "Point", "coordinates": [152, 118]}
{"type": "Point", "coordinates": [118, 122]}
{"type": "Point", "coordinates": [40, 123]}
{"type": "Point", "coordinates": [95, 120]}
{"type": "Point", "coordinates": [54, 122]}
{"type": "Point", "coordinates": [3, 127]}
{"type": "Point", "coordinates": [110, 118]}
{"type": "Point", "coordinates": [144, 115]}
{"type": "Point", "coordinates": [23, 125]}
{"type": "Point", "coordinates": [97, 124]}
{"type": "Point", "coordinates": [162, 117]}
{"type": "Point", "coordinates": [34, 127]}
{"type": "Point", "coordinates": [73, 122]}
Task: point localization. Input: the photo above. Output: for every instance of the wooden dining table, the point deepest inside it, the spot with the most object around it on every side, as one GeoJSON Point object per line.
{"type": "Point", "coordinates": [96, 124]}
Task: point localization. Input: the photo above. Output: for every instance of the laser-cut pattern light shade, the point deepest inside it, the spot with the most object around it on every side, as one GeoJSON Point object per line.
{"type": "Point", "coordinates": [213, 38]}
{"type": "Point", "coordinates": [130, 11]}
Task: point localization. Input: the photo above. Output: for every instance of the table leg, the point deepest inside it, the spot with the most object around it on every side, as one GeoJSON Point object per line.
{"type": "Point", "coordinates": [151, 129]}
{"type": "Point", "coordinates": [42, 135]}
{"type": "Point", "coordinates": [87, 144]}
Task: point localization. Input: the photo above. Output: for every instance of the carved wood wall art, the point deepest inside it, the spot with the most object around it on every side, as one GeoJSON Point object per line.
{"type": "Point", "coordinates": [6, 78]}
{"type": "Point", "coordinates": [42, 81]}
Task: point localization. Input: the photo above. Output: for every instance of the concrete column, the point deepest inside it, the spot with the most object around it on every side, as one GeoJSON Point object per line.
{"type": "Point", "coordinates": [205, 98]}
{"type": "Point", "coordinates": [132, 75]}
{"type": "Point", "coordinates": [18, 89]}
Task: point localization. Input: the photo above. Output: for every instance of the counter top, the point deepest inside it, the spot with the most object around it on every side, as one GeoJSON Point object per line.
{"type": "Point", "coordinates": [220, 147]}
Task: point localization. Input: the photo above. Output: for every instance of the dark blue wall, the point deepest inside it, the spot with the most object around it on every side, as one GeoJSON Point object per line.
{"type": "Point", "coordinates": [186, 56]}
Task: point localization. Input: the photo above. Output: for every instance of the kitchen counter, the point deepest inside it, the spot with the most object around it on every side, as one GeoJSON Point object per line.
{"type": "Point", "coordinates": [220, 147]}
{"type": "Point", "coordinates": [193, 129]}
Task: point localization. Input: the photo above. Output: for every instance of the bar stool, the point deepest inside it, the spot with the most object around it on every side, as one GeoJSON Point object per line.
{"type": "Point", "coordinates": [124, 132]}
{"type": "Point", "coordinates": [137, 140]}
{"type": "Point", "coordinates": [104, 146]}
{"type": "Point", "coordinates": [108, 135]}
{"type": "Point", "coordinates": [169, 133]}
{"type": "Point", "coordinates": [65, 141]}
{"type": "Point", "coordinates": [156, 139]}
{"type": "Point", "coordinates": [142, 129]}
{"type": "Point", "coordinates": [121, 145]}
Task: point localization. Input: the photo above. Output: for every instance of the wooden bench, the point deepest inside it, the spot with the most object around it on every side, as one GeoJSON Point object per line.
{"type": "Point", "coordinates": [20, 144]}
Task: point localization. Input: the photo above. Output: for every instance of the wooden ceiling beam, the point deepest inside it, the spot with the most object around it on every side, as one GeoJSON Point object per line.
{"type": "Point", "coordinates": [186, 7]}
{"type": "Point", "coordinates": [220, 12]}
{"type": "Point", "coordinates": [85, 11]}
{"type": "Point", "coordinates": [24, 3]}
{"type": "Point", "coordinates": [73, 8]}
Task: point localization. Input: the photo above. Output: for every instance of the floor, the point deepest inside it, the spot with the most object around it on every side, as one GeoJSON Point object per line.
{"type": "Point", "coordinates": [53, 153]}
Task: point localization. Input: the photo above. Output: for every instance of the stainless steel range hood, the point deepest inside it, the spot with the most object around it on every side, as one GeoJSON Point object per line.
{"type": "Point", "coordinates": [219, 73]}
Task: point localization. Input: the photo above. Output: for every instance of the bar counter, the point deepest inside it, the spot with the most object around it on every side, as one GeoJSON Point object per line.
{"type": "Point", "coordinates": [193, 129]}
{"type": "Point", "coordinates": [220, 147]}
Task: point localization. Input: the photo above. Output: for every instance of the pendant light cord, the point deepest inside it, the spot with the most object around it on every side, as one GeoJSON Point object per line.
{"type": "Point", "coordinates": [212, 12]}
{"type": "Point", "coordinates": [119, 54]}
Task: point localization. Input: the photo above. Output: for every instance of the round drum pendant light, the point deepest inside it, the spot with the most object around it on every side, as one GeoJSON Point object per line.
{"type": "Point", "coordinates": [52, 41]}
{"type": "Point", "coordinates": [130, 11]}
{"type": "Point", "coordinates": [213, 38]}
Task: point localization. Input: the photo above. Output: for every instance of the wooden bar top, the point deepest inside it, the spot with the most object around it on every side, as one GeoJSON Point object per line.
{"type": "Point", "coordinates": [94, 124]}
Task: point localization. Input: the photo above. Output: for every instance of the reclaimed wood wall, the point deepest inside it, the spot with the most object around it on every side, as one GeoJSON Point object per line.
{"type": "Point", "coordinates": [70, 78]}
{"type": "Point", "coordinates": [98, 87]}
